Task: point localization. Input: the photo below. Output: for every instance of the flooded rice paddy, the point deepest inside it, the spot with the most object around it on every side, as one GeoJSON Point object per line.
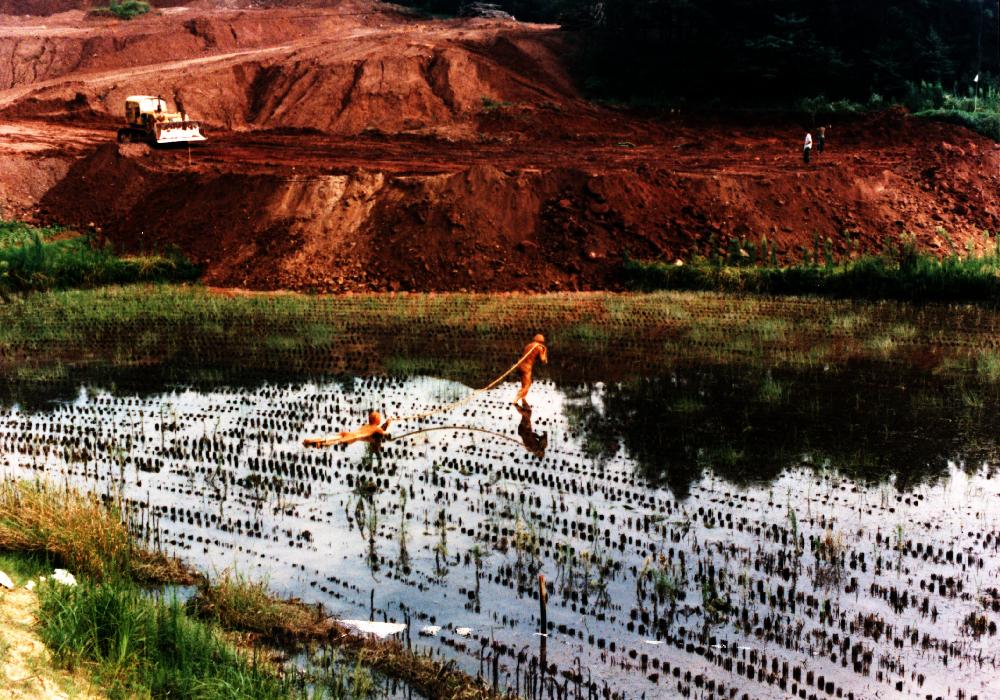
{"type": "Point", "coordinates": [703, 533]}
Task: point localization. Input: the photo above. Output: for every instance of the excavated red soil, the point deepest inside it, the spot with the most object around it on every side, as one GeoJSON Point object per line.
{"type": "Point", "coordinates": [353, 146]}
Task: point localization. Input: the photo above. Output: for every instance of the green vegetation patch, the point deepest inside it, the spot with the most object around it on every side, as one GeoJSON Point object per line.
{"type": "Point", "coordinates": [904, 275]}
{"type": "Point", "coordinates": [985, 123]}
{"type": "Point", "coordinates": [126, 9]}
{"type": "Point", "coordinates": [36, 259]}
{"type": "Point", "coordinates": [140, 646]}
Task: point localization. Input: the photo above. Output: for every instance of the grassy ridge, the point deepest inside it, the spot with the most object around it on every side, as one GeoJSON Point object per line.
{"type": "Point", "coordinates": [985, 123]}
{"type": "Point", "coordinates": [904, 276]}
{"type": "Point", "coordinates": [35, 259]}
{"type": "Point", "coordinates": [79, 531]}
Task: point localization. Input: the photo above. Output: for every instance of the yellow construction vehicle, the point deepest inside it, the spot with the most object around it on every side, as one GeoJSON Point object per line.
{"type": "Point", "coordinates": [147, 119]}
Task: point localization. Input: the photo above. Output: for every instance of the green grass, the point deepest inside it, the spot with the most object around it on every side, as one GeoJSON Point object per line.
{"type": "Point", "coordinates": [982, 122]}
{"type": "Point", "coordinates": [23, 567]}
{"type": "Point", "coordinates": [16, 233]}
{"type": "Point", "coordinates": [139, 646]}
{"type": "Point", "coordinates": [126, 9]}
{"type": "Point", "coordinates": [902, 275]}
{"type": "Point", "coordinates": [33, 259]}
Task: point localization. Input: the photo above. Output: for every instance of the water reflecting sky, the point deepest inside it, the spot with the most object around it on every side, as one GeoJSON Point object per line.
{"type": "Point", "coordinates": [767, 532]}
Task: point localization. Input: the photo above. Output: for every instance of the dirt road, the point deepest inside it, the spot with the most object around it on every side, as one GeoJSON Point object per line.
{"type": "Point", "coordinates": [355, 147]}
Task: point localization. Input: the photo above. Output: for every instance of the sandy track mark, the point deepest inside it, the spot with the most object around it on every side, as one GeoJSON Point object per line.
{"type": "Point", "coordinates": [25, 668]}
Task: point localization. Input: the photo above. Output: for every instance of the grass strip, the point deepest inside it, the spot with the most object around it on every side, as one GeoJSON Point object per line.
{"type": "Point", "coordinates": [236, 603]}
{"type": "Point", "coordinates": [80, 532]}
{"type": "Point", "coordinates": [909, 277]}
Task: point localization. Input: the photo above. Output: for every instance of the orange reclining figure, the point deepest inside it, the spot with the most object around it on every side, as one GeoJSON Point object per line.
{"type": "Point", "coordinates": [372, 432]}
{"type": "Point", "coordinates": [535, 350]}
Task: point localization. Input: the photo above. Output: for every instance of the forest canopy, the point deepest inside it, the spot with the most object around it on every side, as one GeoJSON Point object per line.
{"type": "Point", "coordinates": [757, 51]}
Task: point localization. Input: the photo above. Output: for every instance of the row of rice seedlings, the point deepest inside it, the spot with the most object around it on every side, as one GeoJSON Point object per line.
{"type": "Point", "coordinates": [628, 335]}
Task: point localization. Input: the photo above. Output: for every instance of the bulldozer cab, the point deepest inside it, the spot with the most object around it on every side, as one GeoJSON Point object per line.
{"type": "Point", "coordinates": [139, 105]}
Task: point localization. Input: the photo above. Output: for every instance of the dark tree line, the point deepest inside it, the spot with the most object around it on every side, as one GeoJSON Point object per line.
{"type": "Point", "coordinates": [759, 50]}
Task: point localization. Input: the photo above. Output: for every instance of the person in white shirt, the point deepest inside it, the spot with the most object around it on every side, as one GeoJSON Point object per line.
{"type": "Point", "coordinates": [807, 147]}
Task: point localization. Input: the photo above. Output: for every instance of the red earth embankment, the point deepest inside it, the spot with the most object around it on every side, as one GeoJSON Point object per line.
{"type": "Point", "coordinates": [355, 147]}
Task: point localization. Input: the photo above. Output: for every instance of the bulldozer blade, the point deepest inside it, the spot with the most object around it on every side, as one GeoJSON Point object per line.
{"type": "Point", "coordinates": [178, 132]}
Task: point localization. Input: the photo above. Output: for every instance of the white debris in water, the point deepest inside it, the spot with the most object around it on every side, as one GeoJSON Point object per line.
{"type": "Point", "coordinates": [430, 630]}
{"type": "Point", "coordinates": [653, 642]}
{"type": "Point", "coordinates": [376, 629]}
{"type": "Point", "coordinates": [5, 581]}
{"type": "Point", "coordinates": [463, 631]}
{"type": "Point", "coordinates": [64, 577]}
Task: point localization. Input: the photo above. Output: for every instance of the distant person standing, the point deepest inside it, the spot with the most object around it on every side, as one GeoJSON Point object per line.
{"type": "Point", "coordinates": [821, 141]}
{"type": "Point", "coordinates": [807, 148]}
{"type": "Point", "coordinates": [534, 350]}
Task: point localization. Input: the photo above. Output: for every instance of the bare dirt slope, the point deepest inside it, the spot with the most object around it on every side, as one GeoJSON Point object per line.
{"type": "Point", "coordinates": [353, 146]}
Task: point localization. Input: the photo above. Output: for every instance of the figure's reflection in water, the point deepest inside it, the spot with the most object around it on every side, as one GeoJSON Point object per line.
{"type": "Point", "coordinates": [535, 443]}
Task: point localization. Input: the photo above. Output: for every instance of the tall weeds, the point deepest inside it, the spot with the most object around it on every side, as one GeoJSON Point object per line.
{"type": "Point", "coordinates": [33, 260]}
{"type": "Point", "coordinates": [79, 531]}
{"type": "Point", "coordinates": [140, 646]}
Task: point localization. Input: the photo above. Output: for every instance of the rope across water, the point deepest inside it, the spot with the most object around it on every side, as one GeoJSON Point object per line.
{"type": "Point", "coordinates": [452, 406]}
{"type": "Point", "coordinates": [325, 442]}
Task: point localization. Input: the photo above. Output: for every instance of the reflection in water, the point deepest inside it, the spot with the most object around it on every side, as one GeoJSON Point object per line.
{"type": "Point", "coordinates": [534, 442]}
{"type": "Point", "coordinates": [749, 426]}
{"type": "Point", "coordinates": [697, 520]}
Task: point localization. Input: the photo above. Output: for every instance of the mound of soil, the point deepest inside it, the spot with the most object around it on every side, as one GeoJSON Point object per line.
{"type": "Point", "coordinates": [485, 221]}
{"type": "Point", "coordinates": [354, 147]}
{"type": "Point", "coordinates": [339, 70]}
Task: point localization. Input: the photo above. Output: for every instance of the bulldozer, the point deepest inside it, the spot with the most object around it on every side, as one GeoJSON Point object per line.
{"type": "Point", "coordinates": [147, 119]}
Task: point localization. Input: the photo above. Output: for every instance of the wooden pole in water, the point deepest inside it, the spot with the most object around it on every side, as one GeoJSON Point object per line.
{"type": "Point", "coordinates": [542, 646]}
{"type": "Point", "coordinates": [542, 599]}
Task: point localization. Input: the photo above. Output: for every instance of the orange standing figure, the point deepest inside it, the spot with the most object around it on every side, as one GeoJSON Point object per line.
{"type": "Point", "coordinates": [535, 350]}
{"type": "Point", "coordinates": [374, 431]}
